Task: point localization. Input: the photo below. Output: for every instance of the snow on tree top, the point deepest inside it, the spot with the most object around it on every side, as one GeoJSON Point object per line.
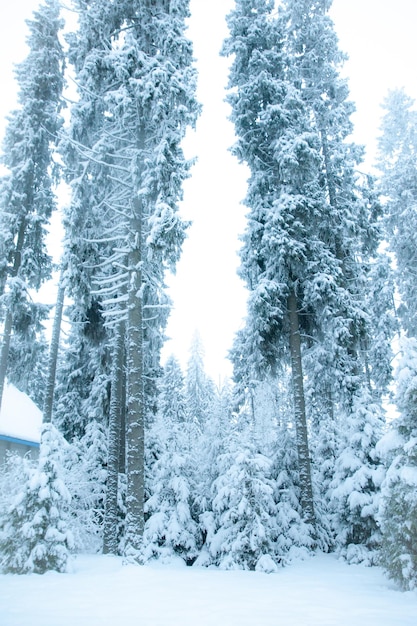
{"type": "Point", "coordinates": [19, 416]}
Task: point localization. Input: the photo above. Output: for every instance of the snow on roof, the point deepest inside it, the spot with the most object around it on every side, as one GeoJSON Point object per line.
{"type": "Point", "coordinates": [19, 416]}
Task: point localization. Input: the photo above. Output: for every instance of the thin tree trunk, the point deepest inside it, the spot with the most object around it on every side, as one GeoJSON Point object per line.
{"type": "Point", "coordinates": [122, 438]}
{"type": "Point", "coordinates": [53, 355]}
{"type": "Point", "coordinates": [110, 538]}
{"type": "Point", "coordinates": [4, 354]}
{"type": "Point", "coordinates": [8, 322]}
{"type": "Point", "coordinates": [135, 449]}
{"type": "Point", "coordinates": [300, 419]}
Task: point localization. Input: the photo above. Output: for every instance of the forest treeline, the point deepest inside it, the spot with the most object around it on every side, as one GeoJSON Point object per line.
{"type": "Point", "coordinates": [298, 452]}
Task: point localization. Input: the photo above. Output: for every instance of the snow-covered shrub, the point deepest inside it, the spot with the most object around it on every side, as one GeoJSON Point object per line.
{"type": "Point", "coordinates": [34, 536]}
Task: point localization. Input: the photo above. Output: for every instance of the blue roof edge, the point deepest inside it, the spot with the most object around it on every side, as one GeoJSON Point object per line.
{"type": "Point", "coordinates": [25, 442]}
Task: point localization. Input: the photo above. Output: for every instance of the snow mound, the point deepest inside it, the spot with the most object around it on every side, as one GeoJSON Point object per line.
{"type": "Point", "coordinates": [19, 416]}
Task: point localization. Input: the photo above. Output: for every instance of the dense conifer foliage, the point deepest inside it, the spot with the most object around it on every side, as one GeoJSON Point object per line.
{"type": "Point", "coordinates": [311, 226]}
{"type": "Point", "coordinates": [152, 461]}
{"type": "Point", "coordinates": [397, 163]}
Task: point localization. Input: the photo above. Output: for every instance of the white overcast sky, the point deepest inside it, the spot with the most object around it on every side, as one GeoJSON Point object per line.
{"type": "Point", "coordinates": [379, 37]}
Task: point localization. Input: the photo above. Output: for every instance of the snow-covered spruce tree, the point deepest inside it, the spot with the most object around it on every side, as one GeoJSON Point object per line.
{"type": "Point", "coordinates": [198, 387]}
{"type": "Point", "coordinates": [397, 152]}
{"type": "Point", "coordinates": [353, 227]}
{"type": "Point", "coordinates": [210, 451]}
{"type": "Point", "coordinates": [147, 106]}
{"type": "Point", "coordinates": [84, 372]}
{"type": "Point", "coordinates": [293, 537]}
{"type": "Point", "coordinates": [347, 471]}
{"type": "Point", "coordinates": [398, 509]}
{"type": "Point", "coordinates": [349, 364]}
{"type": "Point", "coordinates": [268, 115]}
{"type": "Point", "coordinates": [311, 223]}
{"type": "Point", "coordinates": [84, 465]}
{"type": "Point", "coordinates": [281, 255]}
{"type": "Point", "coordinates": [26, 194]}
{"type": "Point", "coordinates": [355, 488]}
{"type": "Point", "coordinates": [171, 398]}
{"type": "Point", "coordinates": [35, 536]}
{"type": "Point", "coordinates": [86, 377]}
{"type": "Point", "coordinates": [244, 532]}
{"type": "Point", "coordinates": [170, 529]}
{"type": "Point", "coordinates": [398, 182]}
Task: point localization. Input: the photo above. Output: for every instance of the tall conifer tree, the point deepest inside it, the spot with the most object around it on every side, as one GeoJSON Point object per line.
{"type": "Point", "coordinates": [310, 224]}
{"type": "Point", "coordinates": [398, 513]}
{"type": "Point", "coordinates": [146, 101]}
{"type": "Point", "coordinates": [27, 191]}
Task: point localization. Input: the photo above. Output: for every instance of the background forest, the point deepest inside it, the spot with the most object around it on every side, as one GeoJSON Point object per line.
{"type": "Point", "coordinates": [313, 445]}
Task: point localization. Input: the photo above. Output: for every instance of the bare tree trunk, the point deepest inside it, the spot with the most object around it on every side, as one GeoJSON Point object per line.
{"type": "Point", "coordinates": [135, 448]}
{"type": "Point", "coordinates": [53, 355]}
{"type": "Point", "coordinates": [110, 538]}
{"type": "Point", "coordinates": [300, 419]}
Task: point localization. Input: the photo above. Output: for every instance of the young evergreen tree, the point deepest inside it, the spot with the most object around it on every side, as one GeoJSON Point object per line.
{"type": "Point", "coordinates": [398, 510]}
{"type": "Point", "coordinates": [210, 452]}
{"type": "Point", "coordinates": [293, 536]}
{"type": "Point", "coordinates": [244, 531]}
{"type": "Point", "coordinates": [26, 196]}
{"type": "Point", "coordinates": [35, 535]}
{"type": "Point", "coordinates": [171, 399]}
{"type": "Point", "coordinates": [198, 387]}
{"type": "Point", "coordinates": [171, 528]}
{"type": "Point", "coordinates": [86, 476]}
{"type": "Point", "coordinates": [356, 483]}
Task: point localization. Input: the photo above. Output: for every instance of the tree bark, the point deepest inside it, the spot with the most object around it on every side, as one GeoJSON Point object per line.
{"type": "Point", "coordinates": [122, 438]}
{"type": "Point", "coordinates": [135, 452]}
{"type": "Point", "coordinates": [53, 355]}
{"type": "Point", "coordinates": [110, 537]}
{"type": "Point", "coordinates": [300, 419]}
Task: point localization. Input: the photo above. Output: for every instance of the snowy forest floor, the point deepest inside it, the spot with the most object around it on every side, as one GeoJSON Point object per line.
{"type": "Point", "coordinates": [320, 591]}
